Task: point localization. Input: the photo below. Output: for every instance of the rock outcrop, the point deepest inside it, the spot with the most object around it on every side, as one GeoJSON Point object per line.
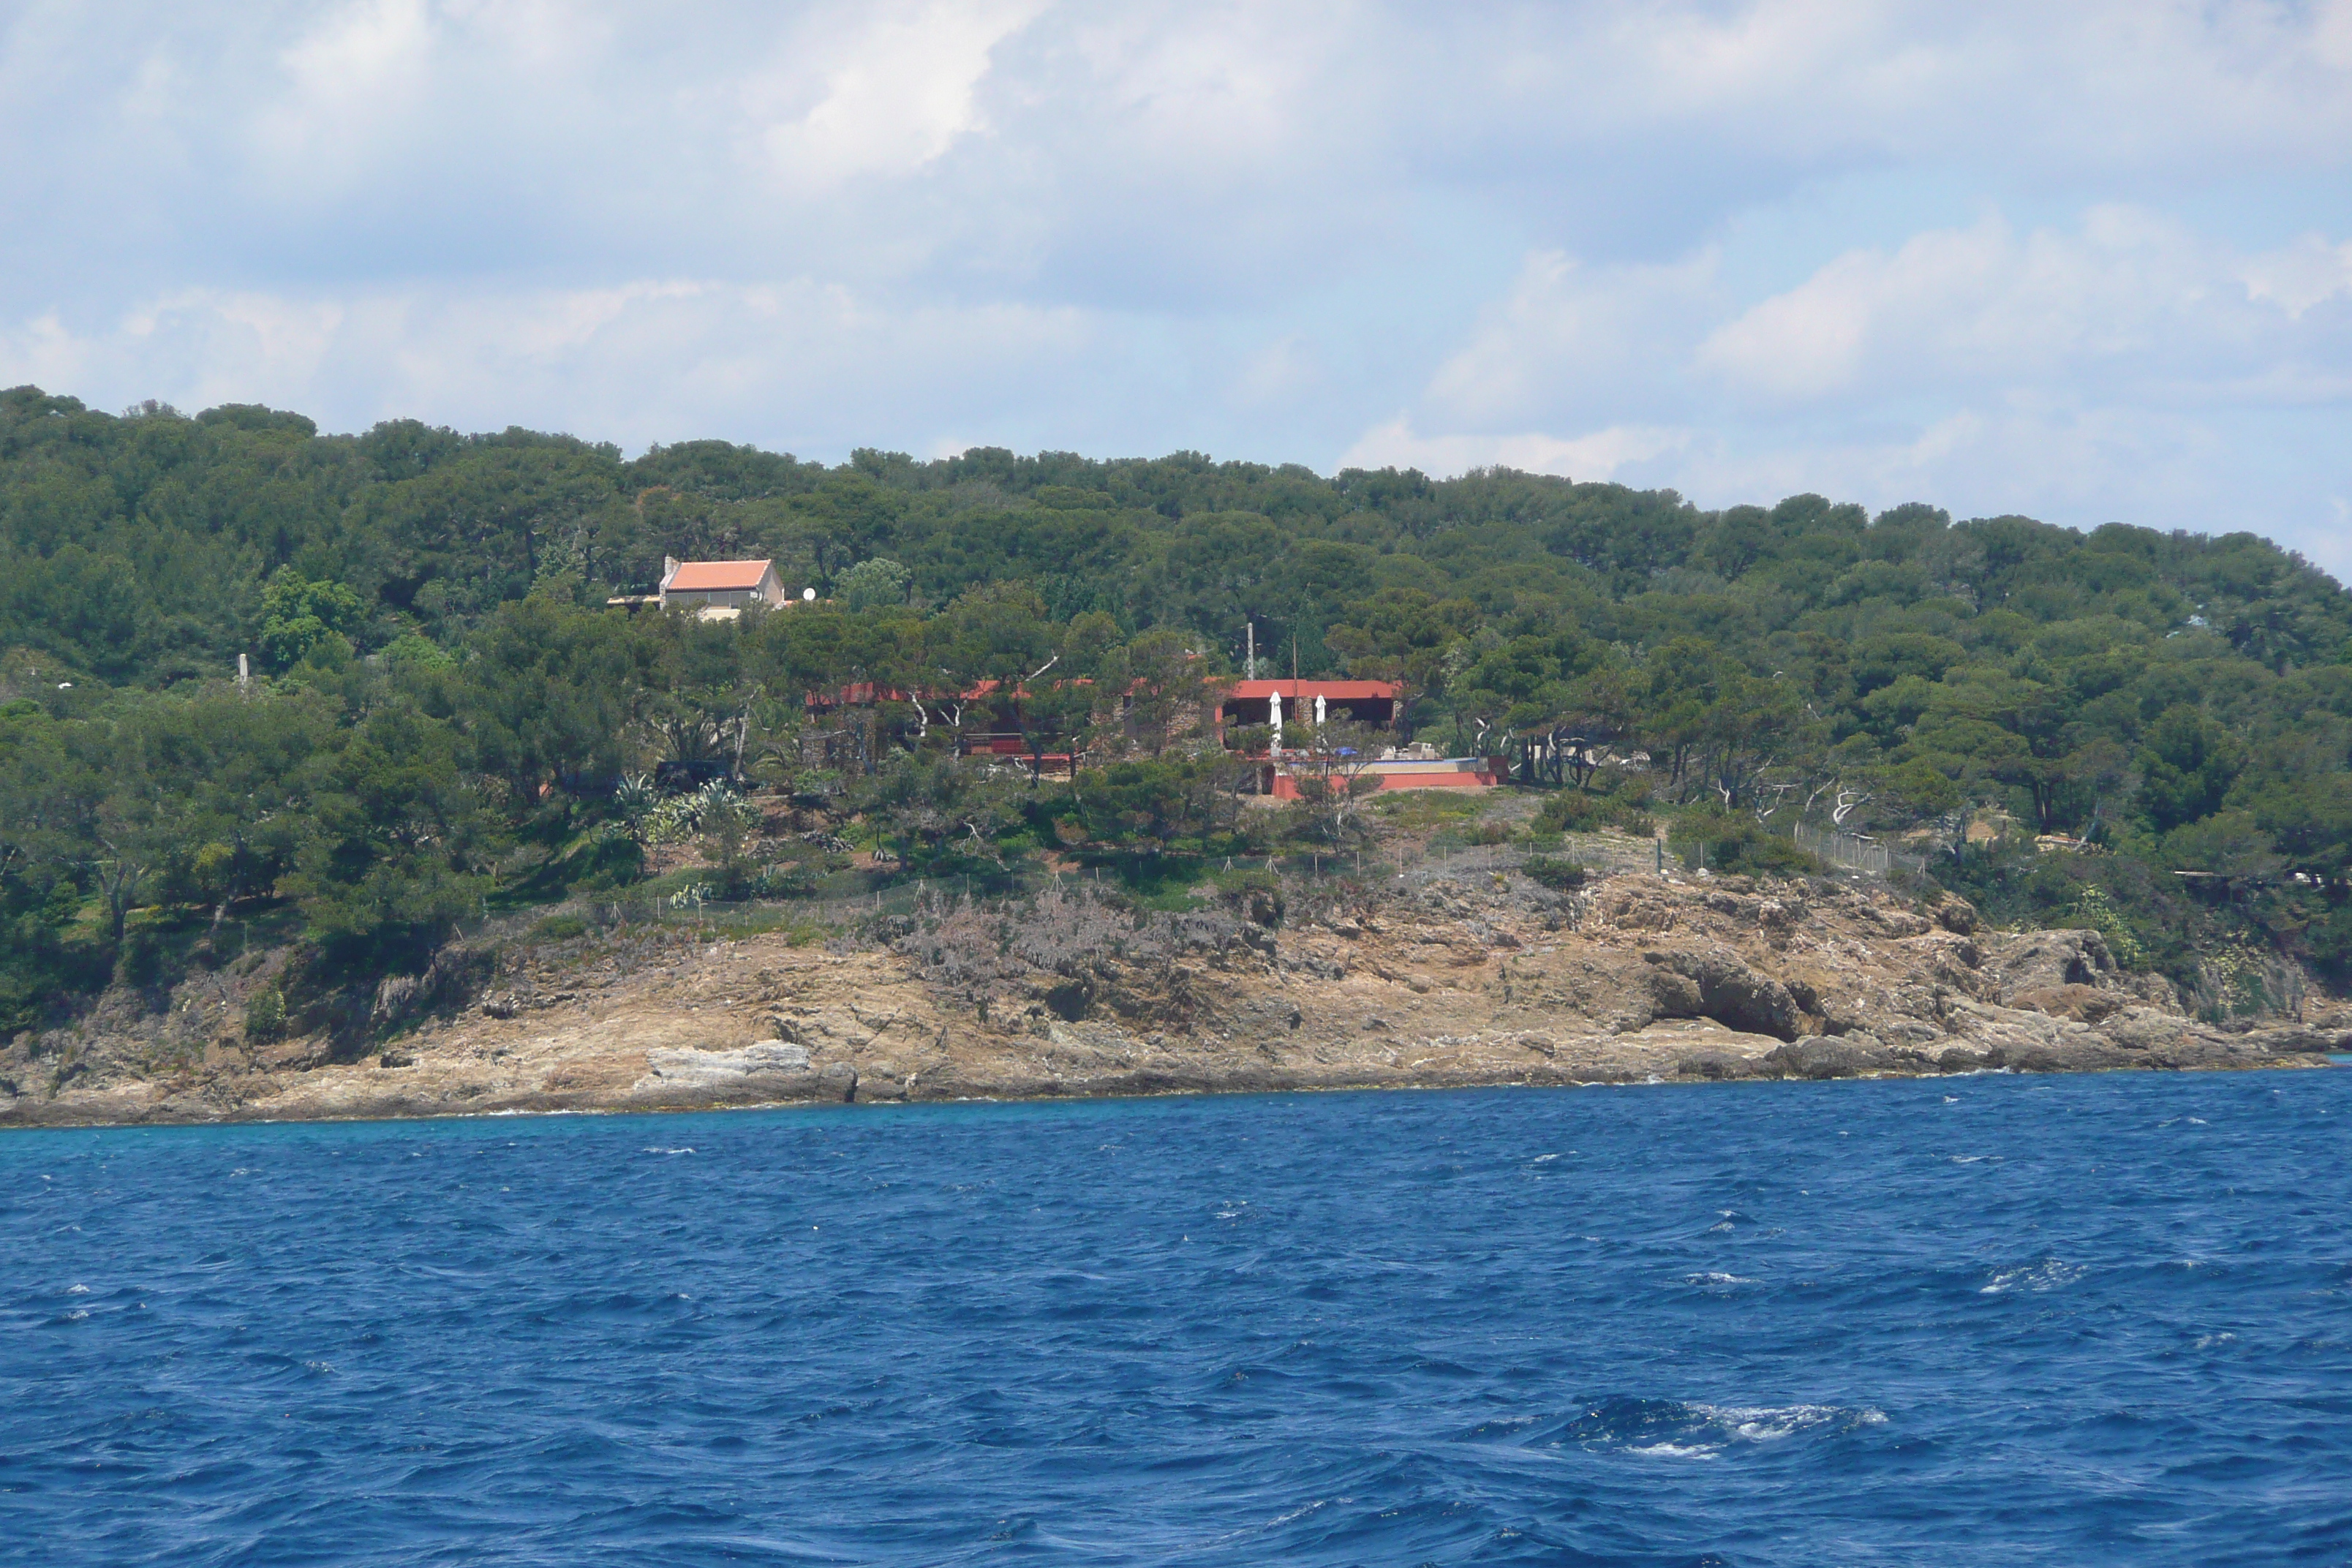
{"type": "Point", "coordinates": [1476, 977]}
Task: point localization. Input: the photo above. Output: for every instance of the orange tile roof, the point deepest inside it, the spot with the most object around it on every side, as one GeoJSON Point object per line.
{"type": "Point", "coordinates": [706, 576]}
{"type": "Point", "coordinates": [1312, 685]}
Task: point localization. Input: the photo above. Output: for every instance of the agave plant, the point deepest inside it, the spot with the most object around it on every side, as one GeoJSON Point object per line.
{"type": "Point", "coordinates": [716, 806]}
{"type": "Point", "coordinates": [634, 798]}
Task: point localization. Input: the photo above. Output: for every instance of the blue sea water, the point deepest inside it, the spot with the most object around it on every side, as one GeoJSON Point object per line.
{"type": "Point", "coordinates": [1989, 1320]}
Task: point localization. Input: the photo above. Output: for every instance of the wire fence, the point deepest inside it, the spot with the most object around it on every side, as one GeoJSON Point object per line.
{"type": "Point", "coordinates": [1853, 849]}
{"type": "Point", "coordinates": [1616, 853]}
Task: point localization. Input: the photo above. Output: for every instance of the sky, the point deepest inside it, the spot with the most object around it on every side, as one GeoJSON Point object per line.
{"type": "Point", "coordinates": [2090, 262]}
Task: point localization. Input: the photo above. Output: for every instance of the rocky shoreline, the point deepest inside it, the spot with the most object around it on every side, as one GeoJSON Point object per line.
{"type": "Point", "coordinates": [1473, 977]}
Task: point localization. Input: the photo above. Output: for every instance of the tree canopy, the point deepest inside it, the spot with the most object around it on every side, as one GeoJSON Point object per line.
{"type": "Point", "coordinates": [444, 707]}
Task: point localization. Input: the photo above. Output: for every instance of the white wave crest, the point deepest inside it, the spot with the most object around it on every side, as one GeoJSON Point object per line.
{"type": "Point", "coordinates": [1770, 1423]}
{"type": "Point", "coordinates": [2049, 1274]}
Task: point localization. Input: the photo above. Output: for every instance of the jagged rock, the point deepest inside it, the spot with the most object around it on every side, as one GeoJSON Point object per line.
{"type": "Point", "coordinates": [1429, 994]}
{"type": "Point", "coordinates": [1823, 1056]}
{"type": "Point", "coordinates": [1956, 915]}
{"type": "Point", "coordinates": [879, 1081]}
{"type": "Point", "coordinates": [2083, 1004]}
{"type": "Point", "coordinates": [1069, 1000]}
{"type": "Point", "coordinates": [1847, 1012]}
{"type": "Point", "coordinates": [396, 995]}
{"type": "Point", "coordinates": [2044, 961]}
{"type": "Point", "coordinates": [298, 1055]}
{"type": "Point", "coordinates": [1963, 955]}
{"type": "Point", "coordinates": [2298, 1041]}
{"type": "Point", "coordinates": [1713, 1065]}
{"type": "Point", "coordinates": [1717, 985]}
{"type": "Point", "coordinates": [1674, 994]}
{"type": "Point", "coordinates": [838, 1080]}
{"type": "Point", "coordinates": [703, 1069]}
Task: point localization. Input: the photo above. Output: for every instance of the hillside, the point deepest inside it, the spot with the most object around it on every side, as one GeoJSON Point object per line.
{"type": "Point", "coordinates": [447, 733]}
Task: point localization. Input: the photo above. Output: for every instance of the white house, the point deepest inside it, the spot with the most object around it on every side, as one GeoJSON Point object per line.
{"type": "Point", "coordinates": [719, 585]}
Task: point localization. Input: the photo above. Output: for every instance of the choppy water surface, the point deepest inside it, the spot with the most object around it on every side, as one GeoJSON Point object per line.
{"type": "Point", "coordinates": [2066, 1320]}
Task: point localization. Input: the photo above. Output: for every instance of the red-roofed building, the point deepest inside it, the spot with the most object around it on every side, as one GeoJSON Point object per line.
{"type": "Point", "coordinates": [720, 585]}
{"type": "Point", "coordinates": [1308, 700]}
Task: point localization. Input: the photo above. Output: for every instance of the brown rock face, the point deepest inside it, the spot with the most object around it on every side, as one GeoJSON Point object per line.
{"type": "Point", "coordinates": [2083, 1003]}
{"type": "Point", "coordinates": [1717, 984]}
{"type": "Point", "coordinates": [2046, 961]}
{"type": "Point", "coordinates": [1476, 977]}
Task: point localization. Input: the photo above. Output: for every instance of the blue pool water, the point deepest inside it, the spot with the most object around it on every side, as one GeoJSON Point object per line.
{"type": "Point", "coordinates": [1992, 1320]}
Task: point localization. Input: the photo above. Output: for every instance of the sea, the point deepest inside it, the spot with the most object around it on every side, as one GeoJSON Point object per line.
{"type": "Point", "coordinates": [1982, 1320]}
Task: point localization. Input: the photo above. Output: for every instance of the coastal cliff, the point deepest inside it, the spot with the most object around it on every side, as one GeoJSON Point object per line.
{"type": "Point", "coordinates": [1465, 975]}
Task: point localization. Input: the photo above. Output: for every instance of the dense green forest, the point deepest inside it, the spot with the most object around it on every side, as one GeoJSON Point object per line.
{"type": "Point", "coordinates": [446, 720]}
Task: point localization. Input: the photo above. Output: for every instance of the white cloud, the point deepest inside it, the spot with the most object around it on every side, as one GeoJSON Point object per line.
{"type": "Point", "coordinates": [2307, 273]}
{"type": "Point", "coordinates": [650, 360]}
{"type": "Point", "coordinates": [2121, 368]}
{"type": "Point", "coordinates": [898, 88]}
{"type": "Point", "coordinates": [1277, 373]}
{"type": "Point", "coordinates": [2129, 306]}
{"type": "Point", "coordinates": [2098, 85]}
{"type": "Point", "coordinates": [350, 83]}
{"type": "Point", "coordinates": [1599, 455]}
{"type": "Point", "coordinates": [1570, 340]}
{"type": "Point", "coordinates": [1977, 304]}
{"type": "Point", "coordinates": [1728, 244]}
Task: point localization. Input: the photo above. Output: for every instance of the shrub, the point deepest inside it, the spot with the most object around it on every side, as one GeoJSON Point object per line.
{"type": "Point", "coordinates": [1563, 875]}
{"type": "Point", "coordinates": [612, 859]}
{"type": "Point", "coordinates": [140, 961]}
{"type": "Point", "coordinates": [1573, 811]}
{"type": "Point", "coordinates": [2097, 911]}
{"type": "Point", "coordinates": [1738, 845]}
{"type": "Point", "coordinates": [1257, 897]}
{"type": "Point", "coordinates": [787, 880]}
{"type": "Point", "coordinates": [2329, 941]}
{"type": "Point", "coordinates": [265, 1015]}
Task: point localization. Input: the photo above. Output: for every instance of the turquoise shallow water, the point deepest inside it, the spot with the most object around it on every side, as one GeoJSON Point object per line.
{"type": "Point", "coordinates": [1991, 1320]}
